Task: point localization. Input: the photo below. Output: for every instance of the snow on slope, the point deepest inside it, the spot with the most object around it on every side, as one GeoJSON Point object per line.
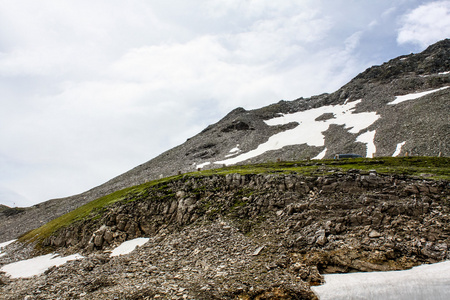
{"type": "Point", "coordinates": [398, 149]}
{"type": "Point", "coordinates": [36, 265]}
{"type": "Point", "coordinates": [128, 246]}
{"type": "Point", "coordinates": [368, 139]}
{"type": "Point", "coordinates": [309, 131]}
{"type": "Point", "coordinates": [3, 245]}
{"type": "Point", "coordinates": [413, 96]}
{"type": "Point", "coordinates": [39, 264]}
{"type": "Point", "coordinates": [422, 282]}
{"type": "Point", "coordinates": [321, 154]}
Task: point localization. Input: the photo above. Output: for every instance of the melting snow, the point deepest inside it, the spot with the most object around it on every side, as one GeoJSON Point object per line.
{"type": "Point", "coordinates": [3, 245]}
{"type": "Point", "coordinates": [36, 265]}
{"type": "Point", "coordinates": [444, 73]}
{"type": "Point", "coordinates": [235, 149]}
{"type": "Point", "coordinates": [321, 154]}
{"type": "Point", "coordinates": [422, 282]}
{"type": "Point", "coordinates": [398, 149]}
{"type": "Point", "coordinates": [128, 246]}
{"type": "Point", "coordinates": [199, 166]}
{"type": "Point", "coordinates": [309, 131]}
{"type": "Point", "coordinates": [368, 139]}
{"type": "Point", "coordinates": [400, 99]}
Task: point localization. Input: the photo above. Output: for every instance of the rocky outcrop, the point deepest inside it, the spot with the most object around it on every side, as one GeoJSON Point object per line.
{"type": "Point", "coordinates": [381, 211]}
{"type": "Point", "coordinates": [252, 236]}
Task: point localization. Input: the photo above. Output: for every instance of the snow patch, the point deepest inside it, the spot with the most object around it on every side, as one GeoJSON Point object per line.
{"type": "Point", "coordinates": [398, 149]}
{"type": "Point", "coordinates": [444, 73]}
{"type": "Point", "coordinates": [128, 246]}
{"type": "Point", "coordinates": [234, 151]}
{"type": "Point", "coordinates": [400, 99]}
{"type": "Point", "coordinates": [368, 139]}
{"type": "Point", "coordinates": [321, 154]}
{"type": "Point", "coordinates": [422, 282]}
{"type": "Point", "coordinates": [36, 265]}
{"type": "Point", "coordinates": [199, 166]}
{"type": "Point", "coordinates": [309, 131]}
{"type": "Point", "coordinates": [4, 244]}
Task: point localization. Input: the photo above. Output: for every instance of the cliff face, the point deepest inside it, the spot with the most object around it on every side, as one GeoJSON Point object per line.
{"type": "Point", "coordinates": [367, 116]}
{"type": "Point", "coordinates": [248, 236]}
{"type": "Point", "coordinates": [383, 211]}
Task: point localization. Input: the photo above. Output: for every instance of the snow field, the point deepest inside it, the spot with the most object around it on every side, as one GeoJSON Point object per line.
{"type": "Point", "coordinates": [368, 139]}
{"type": "Point", "coordinates": [321, 154]}
{"type": "Point", "coordinates": [413, 96]}
{"type": "Point", "coordinates": [36, 265]}
{"type": "Point", "coordinates": [128, 246]}
{"type": "Point", "coordinates": [3, 245]}
{"type": "Point", "coordinates": [39, 264]}
{"type": "Point", "coordinates": [398, 149]}
{"type": "Point", "coordinates": [199, 166]}
{"type": "Point", "coordinates": [422, 282]}
{"type": "Point", "coordinates": [309, 131]}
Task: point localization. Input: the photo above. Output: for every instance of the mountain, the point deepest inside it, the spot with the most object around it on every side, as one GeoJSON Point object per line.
{"type": "Point", "coordinates": [270, 214]}
{"type": "Point", "coordinates": [266, 231]}
{"type": "Point", "coordinates": [398, 108]}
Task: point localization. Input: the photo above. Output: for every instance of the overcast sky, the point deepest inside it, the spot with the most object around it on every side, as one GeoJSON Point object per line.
{"type": "Point", "coordinates": [91, 89]}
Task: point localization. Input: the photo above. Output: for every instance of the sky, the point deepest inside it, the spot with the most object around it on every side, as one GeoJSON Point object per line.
{"type": "Point", "coordinates": [91, 89]}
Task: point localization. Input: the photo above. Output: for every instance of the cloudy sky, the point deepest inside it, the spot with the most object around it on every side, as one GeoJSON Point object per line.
{"type": "Point", "coordinates": [90, 89]}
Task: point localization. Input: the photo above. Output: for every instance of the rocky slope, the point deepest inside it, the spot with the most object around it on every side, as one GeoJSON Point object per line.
{"type": "Point", "coordinates": [245, 236]}
{"type": "Point", "coordinates": [355, 119]}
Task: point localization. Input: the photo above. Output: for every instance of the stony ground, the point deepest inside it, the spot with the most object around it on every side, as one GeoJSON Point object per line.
{"type": "Point", "coordinates": [266, 236]}
{"type": "Point", "coordinates": [214, 261]}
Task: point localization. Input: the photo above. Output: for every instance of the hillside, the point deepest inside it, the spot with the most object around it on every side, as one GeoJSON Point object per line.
{"type": "Point", "coordinates": [265, 231]}
{"type": "Point", "coordinates": [398, 108]}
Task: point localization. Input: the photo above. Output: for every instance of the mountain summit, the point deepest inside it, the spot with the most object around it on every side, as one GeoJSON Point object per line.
{"type": "Point", "coordinates": [397, 109]}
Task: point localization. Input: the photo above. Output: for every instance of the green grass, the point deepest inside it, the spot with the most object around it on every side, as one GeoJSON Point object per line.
{"type": "Point", "coordinates": [96, 205]}
{"type": "Point", "coordinates": [430, 167]}
{"type": "Point", "coordinates": [436, 168]}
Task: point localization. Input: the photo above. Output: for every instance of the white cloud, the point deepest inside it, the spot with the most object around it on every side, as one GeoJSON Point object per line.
{"type": "Point", "coordinates": [426, 24]}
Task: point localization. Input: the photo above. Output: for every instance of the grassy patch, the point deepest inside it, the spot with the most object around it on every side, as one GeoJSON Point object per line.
{"type": "Point", "coordinates": [429, 167]}
{"type": "Point", "coordinates": [97, 205]}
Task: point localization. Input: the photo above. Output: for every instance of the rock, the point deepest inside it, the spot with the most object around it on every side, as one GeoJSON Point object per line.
{"type": "Point", "coordinates": [374, 234]}
{"type": "Point", "coordinates": [258, 250]}
{"type": "Point", "coordinates": [321, 238]}
{"type": "Point", "coordinates": [98, 241]}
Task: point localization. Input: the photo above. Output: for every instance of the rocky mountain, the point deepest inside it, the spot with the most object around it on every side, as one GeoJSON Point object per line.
{"type": "Point", "coordinates": [264, 218]}
{"type": "Point", "coordinates": [266, 232]}
{"type": "Point", "coordinates": [398, 108]}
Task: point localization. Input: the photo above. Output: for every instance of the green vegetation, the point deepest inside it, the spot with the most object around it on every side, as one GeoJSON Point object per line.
{"type": "Point", "coordinates": [430, 167]}
{"type": "Point", "coordinates": [435, 168]}
{"type": "Point", "coordinates": [97, 205]}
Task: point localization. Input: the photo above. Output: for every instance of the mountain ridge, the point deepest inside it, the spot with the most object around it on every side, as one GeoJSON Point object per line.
{"type": "Point", "coordinates": [421, 125]}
